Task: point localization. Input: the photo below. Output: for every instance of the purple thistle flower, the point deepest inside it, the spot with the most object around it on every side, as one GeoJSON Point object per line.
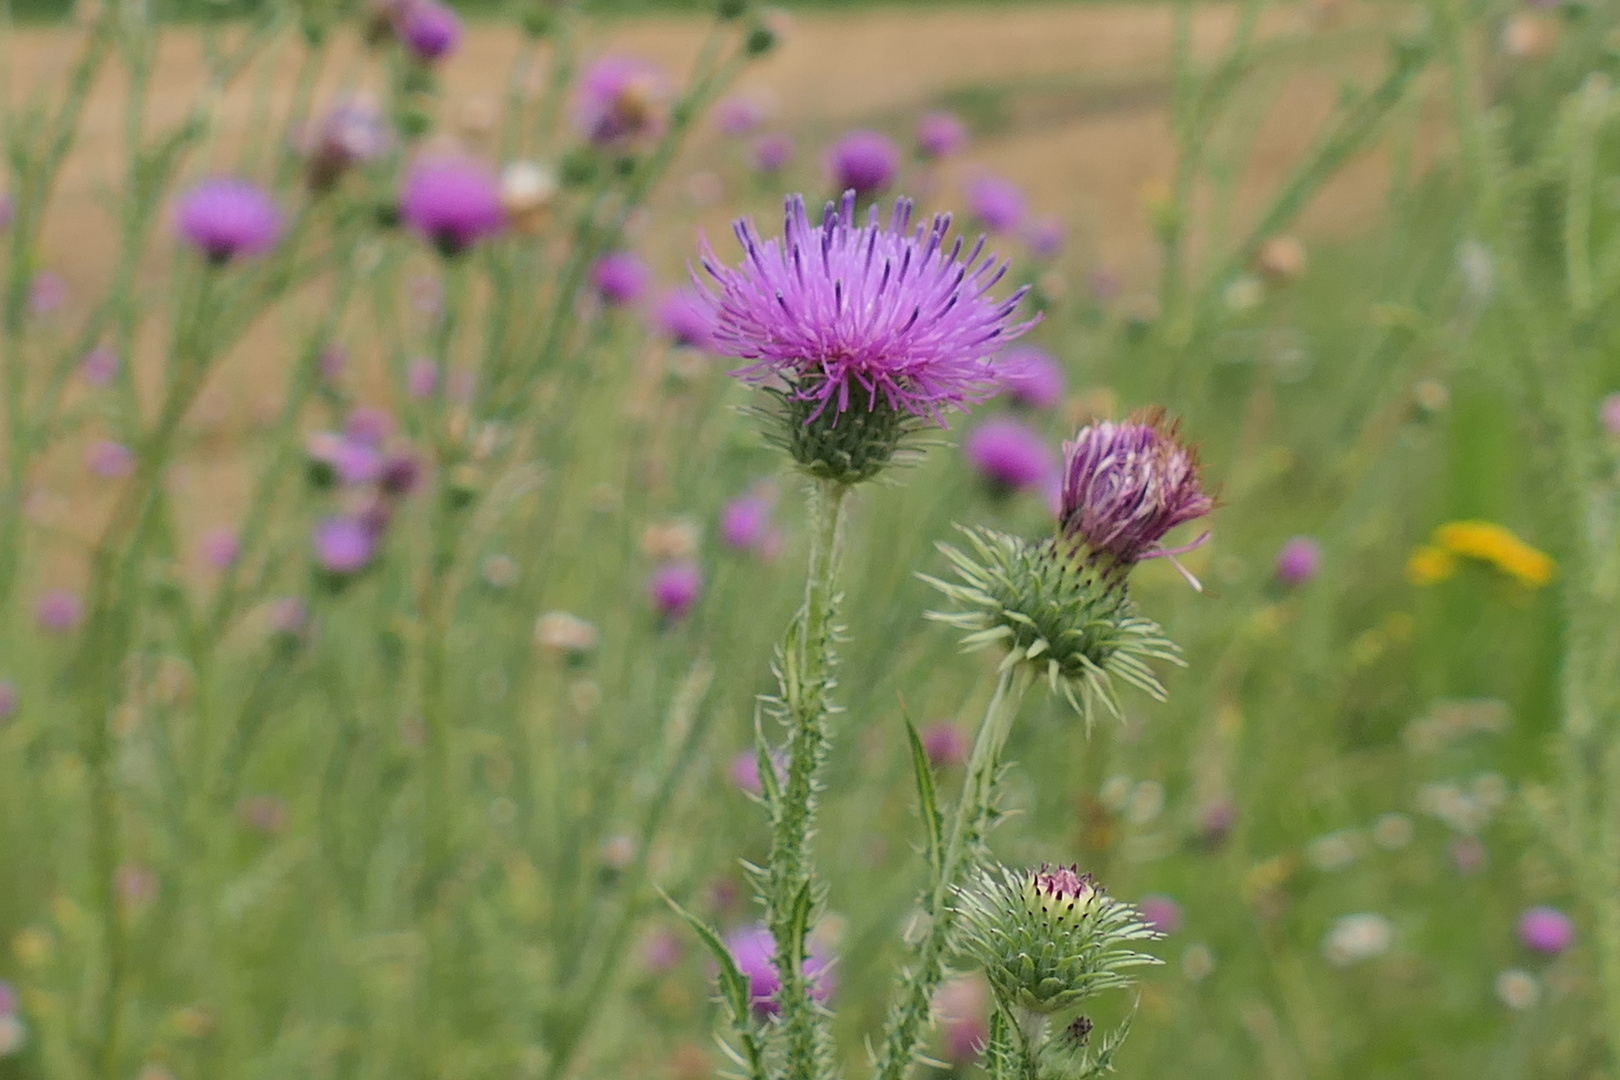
{"type": "Point", "coordinates": [686, 320]}
{"type": "Point", "coordinates": [352, 133]}
{"type": "Point", "coordinates": [1298, 560]}
{"type": "Point", "coordinates": [369, 425]}
{"type": "Point", "coordinates": [220, 548]}
{"type": "Point", "coordinates": [620, 278]}
{"type": "Point", "coordinates": [99, 366]}
{"type": "Point", "coordinates": [1009, 455]}
{"type": "Point", "coordinates": [344, 545]}
{"type": "Point", "coordinates": [1046, 238]}
{"type": "Point", "coordinates": [46, 293]}
{"type": "Point", "coordinates": [863, 162]}
{"type": "Point", "coordinates": [110, 460]}
{"type": "Point", "coordinates": [745, 771]}
{"type": "Point", "coordinates": [739, 115]}
{"type": "Point", "coordinates": [997, 204]}
{"type": "Point", "coordinates": [401, 474]}
{"type": "Point", "coordinates": [8, 709]}
{"type": "Point", "coordinates": [745, 522]}
{"type": "Point", "coordinates": [1161, 913]}
{"type": "Point", "coordinates": [452, 201]}
{"type": "Point", "coordinates": [963, 1006]}
{"type": "Point", "coordinates": [674, 589]}
{"type": "Point", "coordinates": [1609, 413]}
{"type": "Point", "coordinates": [620, 99]}
{"type": "Point", "coordinates": [941, 134]}
{"type": "Point", "coordinates": [226, 217]}
{"type": "Point", "coordinates": [1546, 930]}
{"type": "Point", "coordinates": [422, 379]}
{"type": "Point", "coordinates": [945, 744]}
{"type": "Point", "coordinates": [754, 949]}
{"type": "Point", "coordinates": [1126, 485]}
{"type": "Point", "coordinates": [429, 30]}
{"type": "Point", "coordinates": [58, 611]}
{"type": "Point", "coordinates": [891, 314]}
{"type": "Point", "coordinates": [1030, 377]}
{"type": "Point", "coordinates": [773, 152]}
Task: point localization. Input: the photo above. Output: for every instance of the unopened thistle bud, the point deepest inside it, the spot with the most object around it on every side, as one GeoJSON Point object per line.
{"type": "Point", "coordinates": [1049, 938]}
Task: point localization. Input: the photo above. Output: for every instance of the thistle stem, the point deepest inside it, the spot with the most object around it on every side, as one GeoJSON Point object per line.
{"type": "Point", "coordinates": [961, 848]}
{"type": "Point", "coordinates": [806, 677]}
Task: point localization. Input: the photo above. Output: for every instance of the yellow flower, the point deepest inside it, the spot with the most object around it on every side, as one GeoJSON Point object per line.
{"type": "Point", "coordinates": [1496, 545]}
{"type": "Point", "coordinates": [1429, 565]}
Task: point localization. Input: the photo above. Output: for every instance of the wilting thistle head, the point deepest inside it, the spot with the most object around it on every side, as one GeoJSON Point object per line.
{"type": "Point", "coordinates": [352, 133]}
{"type": "Point", "coordinates": [1126, 485]}
{"type": "Point", "coordinates": [226, 217]}
{"type": "Point", "coordinates": [1049, 937]}
{"type": "Point", "coordinates": [868, 331]}
{"type": "Point", "coordinates": [620, 99]}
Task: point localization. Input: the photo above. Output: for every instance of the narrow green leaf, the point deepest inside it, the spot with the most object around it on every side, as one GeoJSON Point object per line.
{"type": "Point", "coordinates": [928, 804]}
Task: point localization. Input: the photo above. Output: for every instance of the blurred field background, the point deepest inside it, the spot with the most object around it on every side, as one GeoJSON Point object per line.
{"type": "Point", "coordinates": [1358, 745]}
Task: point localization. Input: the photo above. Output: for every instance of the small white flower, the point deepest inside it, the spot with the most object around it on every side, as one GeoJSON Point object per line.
{"type": "Point", "coordinates": [1147, 802]}
{"type": "Point", "coordinates": [1518, 989]}
{"type": "Point", "coordinates": [1353, 938]}
{"type": "Point", "coordinates": [1336, 850]}
{"type": "Point", "coordinates": [1392, 832]}
{"type": "Point", "coordinates": [1197, 963]}
{"type": "Point", "coordinates": [1244, 294]}
{"type": "Point", "coordinates": [13, 1035]}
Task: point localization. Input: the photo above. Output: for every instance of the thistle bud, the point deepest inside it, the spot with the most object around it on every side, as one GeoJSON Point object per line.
{"type": "Point", "coordinates": [1049, 938]}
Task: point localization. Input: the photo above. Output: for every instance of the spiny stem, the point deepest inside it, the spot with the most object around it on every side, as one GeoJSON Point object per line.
{"type": "Point", "coordinates": [967, 832]}
{"type": "Point", "coordinates": [806, 678]}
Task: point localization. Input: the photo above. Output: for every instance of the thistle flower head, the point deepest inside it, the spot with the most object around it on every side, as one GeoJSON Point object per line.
{"type": "Point", "coordinates": [1126, 485]}
{"type": "Point", "coordinates": [1030, 377]}
{"type": "Point", "coordinates": [451, 201]}
{"type": "Point", "coordinates": [430, 30]}
{"type": "Point", "coordinates": [1070, 620]}
{"type": "Point", "coordinates": [884, 326]}
{"type": "Point", "coordinates": [620, 99]}
{"type": "Point", "coordinates": [685, 319]}
{"type": "Point", "coordinates": [226, 217]}
{"type": "Point", "coordinates": [772, 152]}
{"type": "Point", "coordinates": [863, 162]}
{"type": "Point", "coordinates": [620, 278]}
{"type": "Point", "coordinates": [754, 949]}
{"type": "Point", "coordinates": [352, 133]}
{"type": "Point", "coordinates": [997, 204]}
{"type": "Point", "coordinates": [940, 134]}
{"type": "Point", "coordinates": [1010, 455]}
{"type": "Point", "coordinates": [1049, 937]}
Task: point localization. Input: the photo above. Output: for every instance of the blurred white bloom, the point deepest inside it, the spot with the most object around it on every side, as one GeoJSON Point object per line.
{"type": "Point", "coordinates": [1147, 802]}
{"type": "Point", "coordinates": [1518, 989]}
{"type": "Point", "coordinates": [13, 1035]}
{"type": "Point", "coordinates": [670, 541]}
{"type": "Point", "coordinates": [1490, 791]}
{"type": "Point", "coordinates": [500, 571]}
{"type": "Point", "coordinates": [1392, 831]}
{"type": "Point", "coordinates": [1115, 791]}
{"type": "Point", "coordinates": [1477, 270]}
{"type": "Point", "coordinates": [618, 851]}
{"type": "Point", "coordinates": [563, 632]}
{"type": "Point", "coordinates": [1336, 850]}
{"type": "Point", "coordinates": [1197, 963]}
{"type": "Point", "coordinates": [527, 191]}
{"type": "Point", "coordinates": [585, 695]}
{"type": "Point", "coordinates": [1353, 938]}
{"type": "Point", "coordinates": [1455, 807]}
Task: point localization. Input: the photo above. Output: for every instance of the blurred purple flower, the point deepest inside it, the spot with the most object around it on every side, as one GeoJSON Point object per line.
{"type": "Point", "coordinates": [1126, 485]}
{"type": "Point", "coordinates": [226, 217]}
{"type": "Point", "coordinates": [401, 474]}
{"type": "Point", "coordinates": [1046, 238]}
{"type": "Point", "coordinates": [745, 771]}
{"type": "Point", "coordinates": [99, 366]}
{"type": "Point", "coordinates": [58, 611]}
{"type": "Point", "coordinates": [1030, 376]}
{"type": "Point", "coordinates": [945, 744]}
{"type": "Point", "coordinates": [334, 359]}
{"type": "Point", "coordinates": [963, 1006]}
{"type": "Point", "coordinates": [996, 203]}
{"type": "Point", "coordinates": [660, 951]}
{"type": "Point", "coordinates": [884, 312]}
{"type": "Point", "coordinates": [422, 379]}
{"type": "Point", "coordinates": [369, 425]}
{"type": "Point", "coordinates": [452, 201]}
{"type": "Point", "coordinates": [343, 545]}
{"type": "Point", "coordinates": [620, 99]}
{"type": "Point", "coordinates": [739, 115]}
{"type": "Point", "coordinates": [1161, 913]}
{"type": "Point", "coordinates": [220, 548]}
{"type": "Point", "coordinates": [1609, 413]}
{"type": "Point", "coordinates": [1215, 822]}
{"type": "Point", "coordinates": [754, 949]}
{"type": "Point", "coordinates": [46, 293]}
{"type": "Point", "coordinates": [351, 133]}
{"type": "Point", "coordinates": [773, 152]}
{"type": "Point", "coordinates": [941, 134]}
{"type": "Point", "coordinates": [863, 162]}
{"type": "Point", "coordinates": [620, 278]}
{"type": "Point", "coordinates": [430, 30]}
{"type": "Point", "coordinates": [674, 588]}
{"type": "Point", "coordinates": [1009, 455]}
{"type": "Point", "coordinates": [745, 522]}
{"type": "Point", "coordinates": [1546, 930]}
{"type": "Point", "coordinates": [685, 319]}
{"type": "Point", "coordinates": [1298, 560]}
{"type": "Point", "coordinates": [110, 460]}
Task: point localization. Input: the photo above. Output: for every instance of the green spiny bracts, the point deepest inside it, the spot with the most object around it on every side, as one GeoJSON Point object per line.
{"type": "Point", "coordinates": [1049, 938]}
{"type": "Point", "coordinates": [1052, 605]}
{"type": "Point", "coordinates": [846, 447]}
